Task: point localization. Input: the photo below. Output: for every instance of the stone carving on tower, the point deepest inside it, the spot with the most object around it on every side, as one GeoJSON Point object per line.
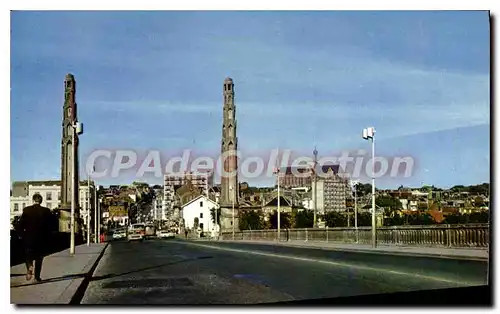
{"type": "Point", "coordinates": [229, 184]}
{"type": "Point", "coordinates": [68, 150]}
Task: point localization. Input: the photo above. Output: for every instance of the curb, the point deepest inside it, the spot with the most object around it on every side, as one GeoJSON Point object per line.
{"type": "Point", "coordinates": [80, 291]}
{"type": "Point", "coordinates": [364, 251]}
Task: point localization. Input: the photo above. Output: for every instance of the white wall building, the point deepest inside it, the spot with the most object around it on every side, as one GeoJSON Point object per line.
{"type": "Point", "coordinates": [51, 195]}
{"type": "Point", "coordinates": [199, 207]}
{"type": "Point", "coordinates": [203, 180]}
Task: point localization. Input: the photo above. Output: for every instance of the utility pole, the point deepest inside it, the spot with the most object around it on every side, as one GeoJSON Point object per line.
{"type": "Point", "coordinates": [369, 133]}
{"type": "Point", "coordinates": [96, 236]}
{"type": "Point", "coordinates": [315, 152]}
{"type": "Point", "coordinates": [279, 209]}
{"type": "Point", "coordinates": [77, 127]}
{"type": "Point", "coordinates": [88, 209]}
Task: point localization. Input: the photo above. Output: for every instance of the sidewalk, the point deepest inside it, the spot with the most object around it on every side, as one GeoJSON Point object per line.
{"type": "Point", "coordinates": [453, 253]}
{"type": "Point", "coordinates": [62, 275]}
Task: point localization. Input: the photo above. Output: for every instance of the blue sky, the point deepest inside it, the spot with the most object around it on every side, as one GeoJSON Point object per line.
{"type": "Point", "coordinates": [153, 80]}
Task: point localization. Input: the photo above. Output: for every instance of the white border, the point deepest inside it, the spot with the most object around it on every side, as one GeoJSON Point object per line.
{"type": "Point", "coordinates": [201, 5]}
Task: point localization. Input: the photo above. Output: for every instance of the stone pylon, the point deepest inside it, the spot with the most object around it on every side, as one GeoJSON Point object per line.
{"type": "Point", "coordinates": [229, 183]}
{"type": "Point", "coordinates": [68, 150]}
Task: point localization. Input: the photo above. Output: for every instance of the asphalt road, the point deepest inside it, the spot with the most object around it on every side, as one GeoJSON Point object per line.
{"type": "Point", "coordinates": [182, 272]}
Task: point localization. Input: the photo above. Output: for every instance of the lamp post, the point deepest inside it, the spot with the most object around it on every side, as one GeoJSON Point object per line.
{"type": "Point", "coordinates": [277, 172]}
{"type": "Point", "coordinates": [315, 152]}
{"type": "Point", "coordinates": [369, 133]}
{"type": "Point", "coordinates": [77, 128]}
{"type": "Point", "coordinates": [88, 210]}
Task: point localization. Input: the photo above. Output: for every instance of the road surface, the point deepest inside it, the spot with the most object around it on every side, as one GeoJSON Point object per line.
{"type": "Point", "coordinates": [184, 272]}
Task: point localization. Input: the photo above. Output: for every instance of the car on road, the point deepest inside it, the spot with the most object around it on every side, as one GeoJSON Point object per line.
{"type": "Point", "coordinates": [136, 232]}
{"type": "Point", "coordinates": [165, 234]}
{"type": "Point", "coordinates": [150, 231]}
{"type": "Point", "coordinates": [119, 234]}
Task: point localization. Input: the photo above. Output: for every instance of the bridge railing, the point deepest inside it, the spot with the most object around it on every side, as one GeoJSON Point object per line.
{"type": "Point", "coordinates": [470, 235]}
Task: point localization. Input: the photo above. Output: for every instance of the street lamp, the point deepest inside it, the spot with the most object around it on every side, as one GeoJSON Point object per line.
{"type": "Point", "coordinates": [277, 172]}
{"type": "Point", "coordinates": [369, 133]}
{"type": "Point", "coordinates": [315, 152]}
{"type": "Point", "coordinates": [77, 128]}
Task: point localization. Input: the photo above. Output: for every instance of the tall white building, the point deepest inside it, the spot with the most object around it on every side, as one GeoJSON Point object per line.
{"type": "Point", "coordinates": [201, 180]}
{"type": "Point", "coordinates": [332, 190]}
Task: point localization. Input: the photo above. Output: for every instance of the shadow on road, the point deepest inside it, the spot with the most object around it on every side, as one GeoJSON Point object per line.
{"type": "Point", "coordinates": [148, 268]}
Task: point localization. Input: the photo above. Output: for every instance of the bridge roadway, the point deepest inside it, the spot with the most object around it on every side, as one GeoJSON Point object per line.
{"type": "Point", "coordinates": [183, 272]}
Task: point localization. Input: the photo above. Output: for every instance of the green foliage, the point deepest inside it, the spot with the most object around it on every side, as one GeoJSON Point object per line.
{"type": "Point", "coordinates": [251, 220]}
{"type": "Point", "coordinates": [304, 219]}
{"type": "Point", "coordinates": [388, 202]}
{"type": "Point", "coordinates": [363, 189]}
{"type": "Point", "coordinates": [212, 214]}
{"type": "Point", "coordinates": [483, 188]}
{"type": "Point", "coordinates": [478, 202]}
{"type": "Point", "coordinates": [477, 217]}
{"type": "Point", "coordinates": [285, 220]}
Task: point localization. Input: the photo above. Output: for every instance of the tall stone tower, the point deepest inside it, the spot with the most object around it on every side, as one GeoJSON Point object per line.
{"type": "Point", "coordinates": [68, 150]}
{"type": "Point", "coordinates": [229, 184]}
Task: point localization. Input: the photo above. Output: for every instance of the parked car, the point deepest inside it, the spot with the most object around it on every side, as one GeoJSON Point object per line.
{"type": "Point", "coordinates": [136, 232]}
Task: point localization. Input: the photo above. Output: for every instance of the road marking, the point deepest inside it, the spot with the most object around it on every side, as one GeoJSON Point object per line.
{"type": "Point", "coordinates": [339, 264]}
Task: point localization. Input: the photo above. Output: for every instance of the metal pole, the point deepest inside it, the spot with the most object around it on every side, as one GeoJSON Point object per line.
{"type": "Point", "coordinates": [88, 210]}
{"type": "Point", "coordinates": [315, 152]}
{"type": "Point", "coordinates": [73, 186]}
{"type": "Point", "coordinates": [95, 213]}
{"type": "Point", "coordinates": [356, 213]}
{"type": "Point", "coordinates": [374, 226]}
{"type": "Point", "coordinates": [279, 211]}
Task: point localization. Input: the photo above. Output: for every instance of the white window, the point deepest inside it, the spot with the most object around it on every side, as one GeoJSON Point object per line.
{"type": "Point", "coordinates": [16, 207]}
{"type": "Point", "coordinates": [201, 204]}
{"type": "Point", "coordinates": [201, 215]}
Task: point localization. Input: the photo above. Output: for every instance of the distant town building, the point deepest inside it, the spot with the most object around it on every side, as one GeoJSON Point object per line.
{"type": "Point", "coordinates": [199, 209]}
{"type": "Point", "coordinates": [23, 191]}
{"type": "Point", "coordinates": [332, 190]}
{"type": "Point", "coordinates": [295, 177]}
{"type": "Point", "coordinates": [171, 182]}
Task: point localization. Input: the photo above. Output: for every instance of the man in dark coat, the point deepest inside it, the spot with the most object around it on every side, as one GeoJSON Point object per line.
{"type": "Point", "coordinates": [35, 228]}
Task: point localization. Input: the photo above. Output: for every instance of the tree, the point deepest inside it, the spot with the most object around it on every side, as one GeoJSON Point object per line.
{"type": "Point", "coordinates": [304, 219]}
{"type": "Point", "coordinates": [212, 214]}
{"type": "Point", "coordinates": [478, 202]}
{"type": "Point", "coordinates": [335, 219]}
{"type": "Point", "coordinates": [363, 189]}
{"type": "Point", "coordinates": [285, 220]}
{"type": "Point", "coordinates": [251, 220]}
{"type": "Point", "coordinates": [196, 223]}
{"type": "Point", "coordinates": [388, 202]}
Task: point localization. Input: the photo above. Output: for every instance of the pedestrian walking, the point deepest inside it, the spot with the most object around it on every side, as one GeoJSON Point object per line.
{"type": "Point", "coordinates": [186, 233]}
{"type": "Point", "coordinates": [36, 226]}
